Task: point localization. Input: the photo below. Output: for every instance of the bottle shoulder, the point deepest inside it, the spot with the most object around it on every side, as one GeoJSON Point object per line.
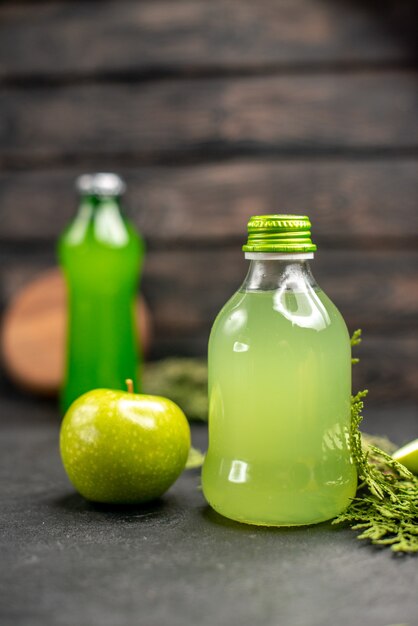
{"type": "Point", "coordinates": [235, 302]}
{"type": "Point", "coordinates": [87, 235]}
{"type": "Point", "coordinates": [332, 308]}
{"type": "Point", "coordinates": [105, 257]}
{"type": "Point", "coordinates": [308, 309]}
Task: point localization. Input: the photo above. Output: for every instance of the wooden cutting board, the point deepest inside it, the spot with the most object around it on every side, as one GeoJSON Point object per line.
{"type": "Point", "coordinates": [33, 333]}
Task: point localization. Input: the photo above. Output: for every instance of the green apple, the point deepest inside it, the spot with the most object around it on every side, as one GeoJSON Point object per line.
{"type": "Point", "coordinates": [408, 456]}
{"type": "Point", "coordinates": [120, 447]}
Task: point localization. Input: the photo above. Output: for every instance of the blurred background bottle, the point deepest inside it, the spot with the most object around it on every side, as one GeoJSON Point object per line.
{"type": "Point", "coordinates": [101, 255]}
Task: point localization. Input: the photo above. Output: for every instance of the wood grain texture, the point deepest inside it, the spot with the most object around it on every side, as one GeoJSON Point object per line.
{"type": "Point", "coordinates": [208, 118]}
{"type": "Point", "coordinates": [214, 111]}
{"type": "Point", "coordinates": [186, 288]}
{"type": "Point", "coordinates": [388, 367]}
{"type": "Point", "coordinates": [89, 38]}
{"type": "Point", "coordinates": [357, 201]}
{"type": "Point", "coordinates": [373, 289]}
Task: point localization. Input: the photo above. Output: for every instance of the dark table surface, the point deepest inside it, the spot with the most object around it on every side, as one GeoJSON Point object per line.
{"type": "Point", "coordinates": [175, 562]}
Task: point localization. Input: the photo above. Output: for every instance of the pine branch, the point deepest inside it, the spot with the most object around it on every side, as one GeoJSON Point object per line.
{"type": "Point", "coordinates": [385, 508]}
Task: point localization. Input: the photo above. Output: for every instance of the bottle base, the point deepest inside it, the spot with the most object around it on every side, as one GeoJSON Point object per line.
{"type": "Point", "coordinates": [270, 523]}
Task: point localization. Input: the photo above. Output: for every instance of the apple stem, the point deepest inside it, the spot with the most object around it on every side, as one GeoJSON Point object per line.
{"type": "Point", "coordinates": [129, 385]}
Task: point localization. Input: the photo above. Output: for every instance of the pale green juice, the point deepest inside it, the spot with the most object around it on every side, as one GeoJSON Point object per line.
{"type": "Point", "coordinates": [279, 392]}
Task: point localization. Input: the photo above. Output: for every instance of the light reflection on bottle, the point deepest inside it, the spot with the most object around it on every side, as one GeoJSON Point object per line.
{"type": "Point", "coordinates": [236, 321]}
{"type": "Point", "coordinates": [238, 472]}
{"type": "Point", "coordinates": [241, 347]}
{"type": "Point", "coordinates": [309, 311]}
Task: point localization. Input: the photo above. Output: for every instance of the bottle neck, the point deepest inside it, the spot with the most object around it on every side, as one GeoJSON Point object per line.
{"type": "Point", "coordinates": [97, 204]}
{"type": "Point", "coordinates": [100, 216]}
{"type": "Point", "coordinates": [271, 272]}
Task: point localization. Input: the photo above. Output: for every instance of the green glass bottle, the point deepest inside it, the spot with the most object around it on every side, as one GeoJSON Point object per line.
{"type": "Point", "coordinates": [101, 255]}
{"type": "Point", "coordinates": [279, 389]}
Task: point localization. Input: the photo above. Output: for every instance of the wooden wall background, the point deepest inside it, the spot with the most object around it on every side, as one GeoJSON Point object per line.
{"type": "Point", "coordinates": [215, 110]}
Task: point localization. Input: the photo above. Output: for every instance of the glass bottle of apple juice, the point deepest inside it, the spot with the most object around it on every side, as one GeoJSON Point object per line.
{"type": "Point", "coordinates": [101, 255]}
{"type": "Point", "coordinates": [279, 389]}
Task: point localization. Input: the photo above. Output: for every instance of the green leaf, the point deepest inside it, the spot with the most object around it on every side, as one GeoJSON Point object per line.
{"type": "Point", "coordinates": [196, 458]}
